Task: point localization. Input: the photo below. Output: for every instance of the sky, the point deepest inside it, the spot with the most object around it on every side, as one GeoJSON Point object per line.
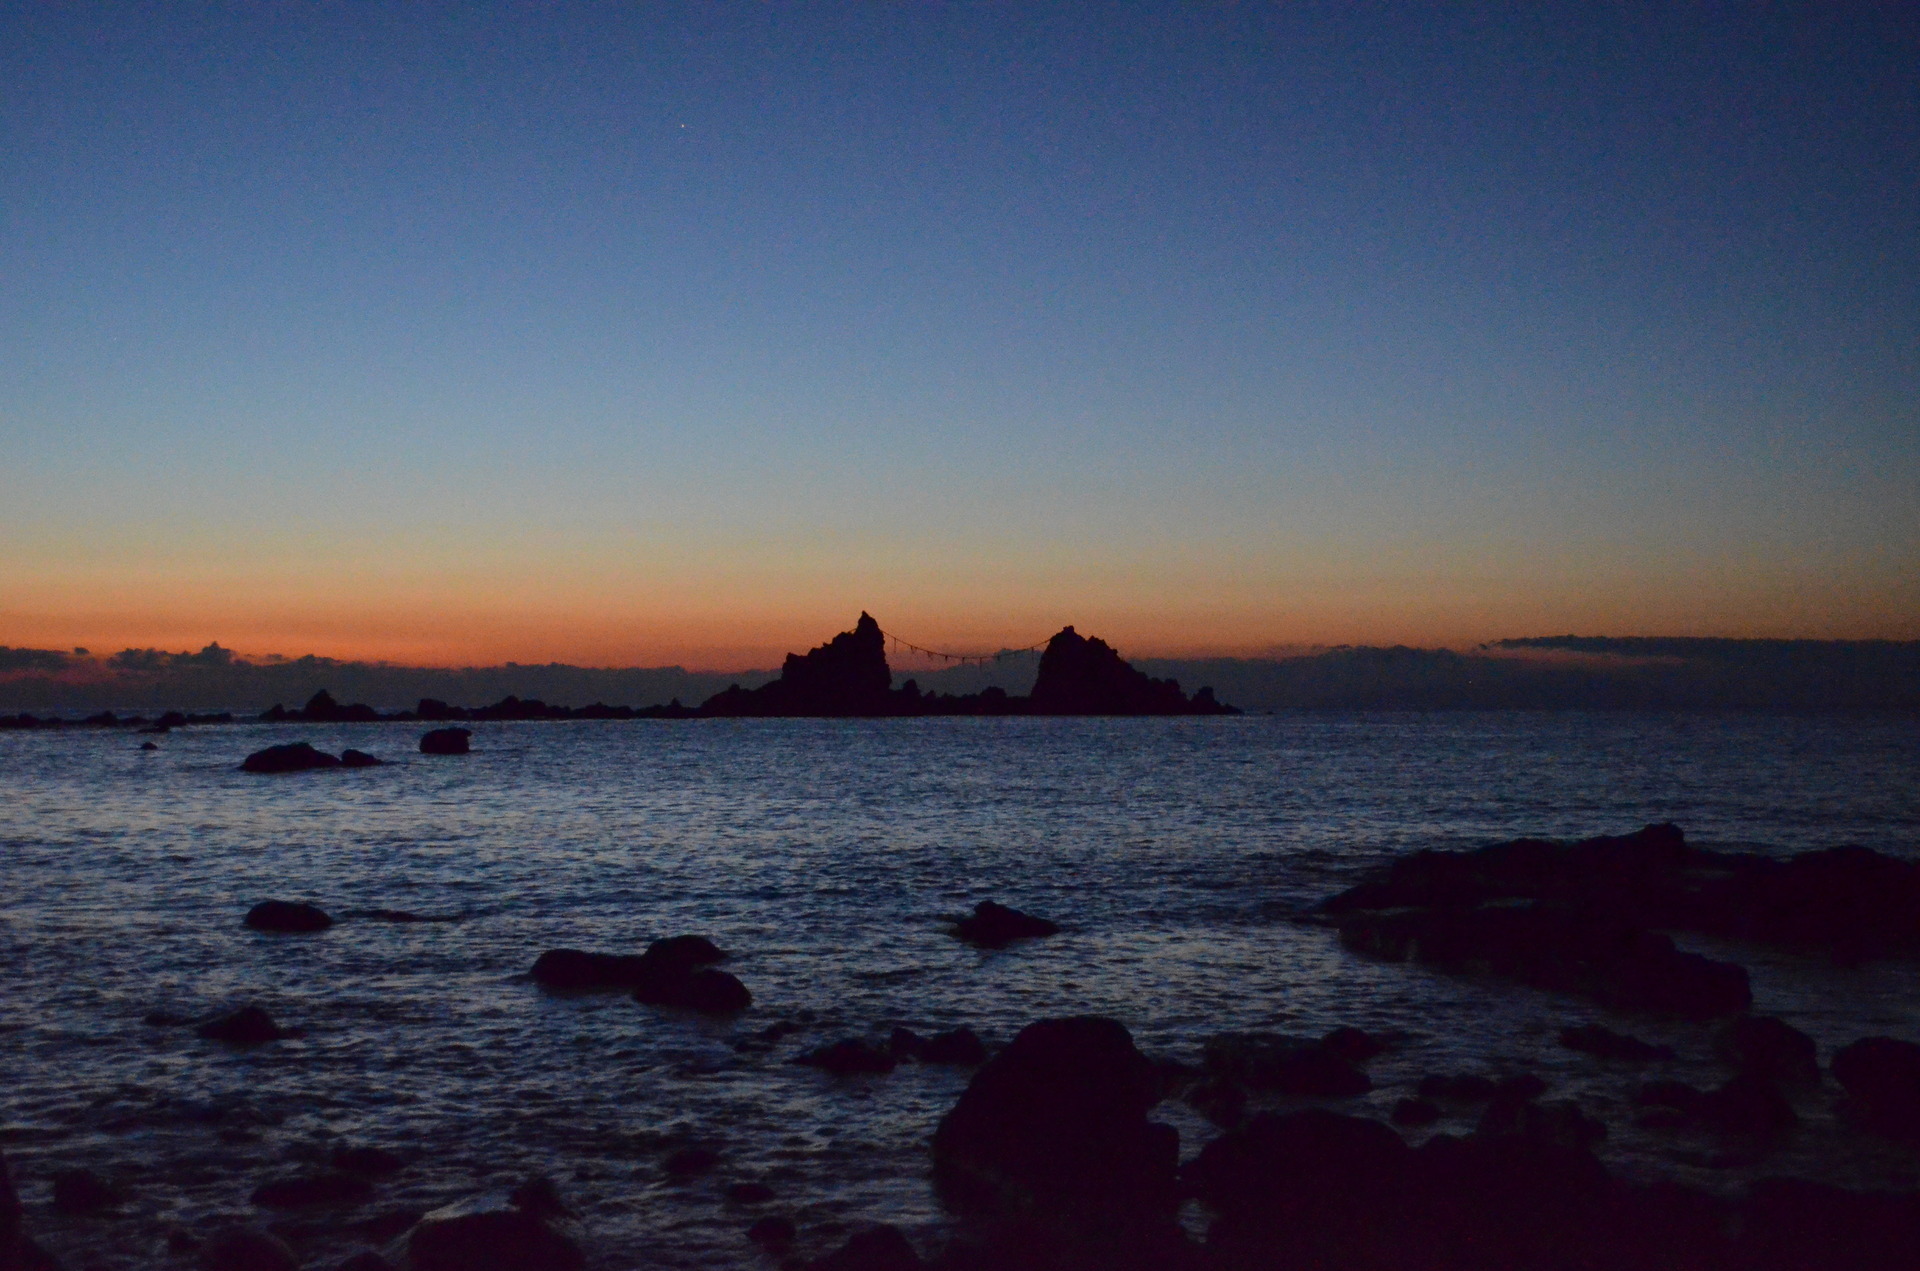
{"type": "Point", "coordinates": [634, 334]}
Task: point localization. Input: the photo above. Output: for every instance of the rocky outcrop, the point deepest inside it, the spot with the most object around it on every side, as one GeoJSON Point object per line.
{"type": "Point", "coordinates": [848, 675]}
{"type": "Point", "coordinates": [1770, 1049]}
{"type": "Point", "coordinates": [1082, 675]}
{"type": "Point", "coordinates": [1849, 901]}
{"type": "Point", "coordinates": [287, 915]}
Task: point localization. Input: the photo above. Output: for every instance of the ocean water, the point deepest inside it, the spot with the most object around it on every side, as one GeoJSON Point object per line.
{"type": "Point", "coordinates": [828, 856]}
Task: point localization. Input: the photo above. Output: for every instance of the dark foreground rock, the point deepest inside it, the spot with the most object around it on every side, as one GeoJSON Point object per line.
{"type": "Point", "coordinates": [525, 1231]}
{"type": "Point", "coordinates": [1286, 1065]}
{"type": "Point", "coordinates": [294, 757]}
{"type": "Point", "coordinates": [359, 759]}
{"type": "Point", "coordinates": [287, 915]}
{"type": "Point", "coordinates": [1881, 1076]}
{"type": "Point", "coordinates": [992, 925]}
{"type": "Point", "coordinates": [876, 1249]}
{"type": "Point", "coordinates": [303, 1191]}
{"type": "Point", "coordinates": [672, 972]}
{"type": "Point", "coordinates": [18, 1250]}
{"type": "Point", "coordinates": [1583, 948]}
{"type": "Point", "coordinates": [247, 1249]}
{"type": "Point", "coordinates": [1052, 1136]}
{"type": "Point", "coordinates": [1848, 901]}
{"type": "Point", "coordinates": [248, 1026]}
{"type": "Point", "coordinates": [1770, 1049]}
{"type": "Point", "coordinates": [446, 741]}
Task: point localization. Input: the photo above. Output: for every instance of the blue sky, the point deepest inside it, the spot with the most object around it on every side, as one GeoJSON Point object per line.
{"type": "Point", "coordinates": [631, 333]}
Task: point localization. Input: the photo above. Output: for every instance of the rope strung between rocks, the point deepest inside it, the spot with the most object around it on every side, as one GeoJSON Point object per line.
{"type": "Point", "coordinates": [981, 658]}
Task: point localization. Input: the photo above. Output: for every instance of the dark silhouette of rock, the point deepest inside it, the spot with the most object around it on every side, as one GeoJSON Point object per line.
{"type": "Point", "coordinates": [526, 1231]}
{"type": "Point", "coordinates": [1288, 1065]}
{"type": "Point", "coordinates": [446, 741]}
{"type": "Point", "coordinates": [1356, 1046]}
{"type": "Point", "coordinates": [848, 675]}
{"type": "Point", "coordinates": [248, 1026]}
{"type": "Point", "coordinates": [1220, 1100]}
{"type": "Point", "coordinates": [372, 1162]}
{"type": "Point", "coordinates": [1851, 902]}
{"type": "Point", "coordinates": [1597, 1039]}
{"type": "Point", "coordinates": [690, 1162]}
{"type": "Point", "coordinates": [1080, 675]}
{"type": "Point", "coordinates": [81, 1191]}
{"type": "Point", "coordinates": [18, 1250]}
{"type": "Point", "coordinates": [247, 1249]}
{"type": "Point", "coordinates": [1881, 1076]}
{"type": "Point", "coordinates": [1558, 1121]}
{"type": "Point", "coordinates": [359, 759]}
{"type": "Point", "coordinates": [875, 1249]}
{"type": "Point", "coordinates": [1054, 1128]}
{"type": "Point", "coordinates": [1415, 1112]}
{"type": "Point", "coordinates": [1771, 1049]}
{"type": "Point", "coordinates": [992, 925]}
{"type": "Point", "coordinates": [313, 1190]}
{"type": "Point", "coordinates": [1746, 1106]}
{"type": "Point", "coordinates": [961, 1047]}
{"type": "Point", "coordinates": [672, 972]}
{"type": "Point", "coordinates": [1792, 1224]}
{"type": "Point", "coordinates": [776, 1231]}
{"type": "Point", "coordinates": [147, 745]}
{"type": "Point", "coordinates": [1588, 948]}
{"type": "Point", "coordinates": [287, 915]}
{"type": "Point", "coordinates": [749, 1193]}
{"type": "Point", "coordinates": [294, 757]}
{"type": "Point", "coordinates": [366, 1260]}
{"type": "Point", "coordinates": [849, 1056]}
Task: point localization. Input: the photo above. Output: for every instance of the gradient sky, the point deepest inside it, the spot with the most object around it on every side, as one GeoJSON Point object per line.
{"type": "Point", "coordinates": [651, 333]}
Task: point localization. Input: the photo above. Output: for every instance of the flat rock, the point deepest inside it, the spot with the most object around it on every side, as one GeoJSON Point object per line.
{"type": "Point", "coordinates": [287, 915]}
{"type": "Point", "coordinates": [294, 757]}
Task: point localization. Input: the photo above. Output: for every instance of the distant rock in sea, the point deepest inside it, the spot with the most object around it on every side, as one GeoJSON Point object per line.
{"type": "Point", "coordinates": [287, 915]}
{"type": "Point", "coordinates": [849, 676]}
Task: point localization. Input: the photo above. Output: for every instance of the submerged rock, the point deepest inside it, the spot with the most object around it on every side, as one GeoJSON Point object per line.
{"type": "Point", "coordinates": [287, 915]}
{"type": "Point", "coordinates": [359, 759]}
{"type": "Point", "coordinates": [295, 757]}
{"type": "Point", "coordinates": [995, 926]}
{"type": "Point", "coordinates": [1287, 1065]}
{"type": "Point", "coordinates": [248, 1026]}
{"type": "Point", "coordinates": [672, 972]}
{"type": "Point", "coordinates": [849, 1056]}
{"type": "Point", "coordinates": [961, 1047]}
{"type": "Point", "coordinates": [446, 741]}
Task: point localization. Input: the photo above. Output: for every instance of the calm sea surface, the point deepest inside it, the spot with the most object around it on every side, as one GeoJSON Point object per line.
{"type": "Point", "coordinates": [827, 856]}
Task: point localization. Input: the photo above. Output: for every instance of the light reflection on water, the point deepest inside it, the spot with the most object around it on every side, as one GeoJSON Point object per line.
{"type": "Point", "coordinates": [825, 854]}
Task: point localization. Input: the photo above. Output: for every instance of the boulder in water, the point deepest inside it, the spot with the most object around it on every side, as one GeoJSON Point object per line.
{"type": "Point", "coordinates": [81, 1191]}
{"type": "Point", "coordinates": [303, 1191]}
{"type": "Point", "coordinates": [446, 741]}
{"type": "Point", "coordinates": [287, 915]}
{"type": "Point", "coordinates": [995, 926]}
{"type": "Point", "coordinates": [294, 757]}
{"type": "Point", "coordinates": [875, 1249]}
{"type": "Point", "coordinates": [1597, 1039]}
{"type": "Point", "coordinates": [1771, 1049]}
{"type": "Point", "coordinates": [247, 1249]}
{"type": "Point", "coordinates": [961, 1047]}
{"type": "Point", "coordinates": [359, 759]}
{"type": "Point", "coordinates": [847, 1057]}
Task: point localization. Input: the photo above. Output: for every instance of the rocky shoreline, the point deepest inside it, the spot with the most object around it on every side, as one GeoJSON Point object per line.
{"type": "Point", "coordinates": [1062, 1152]}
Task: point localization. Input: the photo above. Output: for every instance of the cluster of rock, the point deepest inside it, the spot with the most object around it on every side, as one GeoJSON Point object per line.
{"type": "Point", "coordinates": [1850, 902]}
{"type": "Point", "coordinates": [849, 676]}
{"type": "Point", "coordinates": [321, 708]}
{"type": "Point", "coordinates": [676, 972]}
{"type": "Point", "coordinates": [299, 756]}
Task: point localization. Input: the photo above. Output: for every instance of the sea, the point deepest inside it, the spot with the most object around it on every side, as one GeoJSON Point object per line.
{"type": "Point", "coordinates": [830, 858]}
